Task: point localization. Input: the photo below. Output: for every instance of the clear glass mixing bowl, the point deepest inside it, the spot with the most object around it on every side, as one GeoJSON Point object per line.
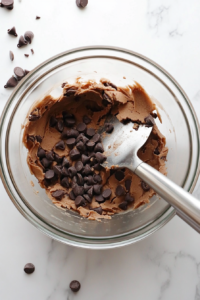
{"type": "Point", "coordinates": [122, 67]}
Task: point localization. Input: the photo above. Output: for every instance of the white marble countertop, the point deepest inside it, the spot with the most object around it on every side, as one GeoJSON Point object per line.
{"type": "Point", "coordinates": [164, 266]}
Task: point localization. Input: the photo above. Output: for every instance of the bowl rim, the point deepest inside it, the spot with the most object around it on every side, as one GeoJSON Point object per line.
{"type": "Point", "coordinates": [50, 232]}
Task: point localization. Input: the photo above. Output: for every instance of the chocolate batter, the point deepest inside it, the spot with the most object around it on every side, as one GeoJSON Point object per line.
{"type": "Point", "coordinates": [65, 151]}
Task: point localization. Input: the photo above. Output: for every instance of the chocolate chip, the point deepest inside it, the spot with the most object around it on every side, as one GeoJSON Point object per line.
{"type": "Point", "coordinates": [7, 4]}
{"type": "Point", "coordinates": [81, 127]}
{"type": "Point", "coordinates": [41, 153]}
{"type": "Point", "coordinates": [145, 186]}
{"type": "Point", "coordinates": [99, 210]}
{"type": "Point", "coordinates": [27, 55]}
{"type": "Point", "coordinates": [110, 84]}
{"type": "Point", "coordinates": [28, 35]}
{"type": "Point", "coordinates": [129, 198]}
{"type": "Point", "coordinates": [70, 92]}
{"type": "Point", "coordinates": [38, 138]}
{"type": "Point", "coordinates": [86, 187]}
{"type": "Point", "coordinates": [86, 120]}
{"type": "Point", "coordinates": [106, 98]}
{"type": "Point", "coordinates": [119, 175]}
{"type": "Point", "coordinates": [99, 148]}
{"type": "Point", "coordinates": [97, 167]}
{"type": "Point", "coordinates": [156, 151]}
{"type": "Point", "coordinates": [80, 180]}
{"type": "Point", "coordinates": [58, 158]}
{"type": "Point", "coordinates": [19, 73]}
{"type": "Point", "coordinates": [74, 179]}
{"type": "Point", "coordinates": [97, 178]}
{"type": "Point", "coordinates": [45, 162]}
{"type": "Point", "coordinates": [120, 191]}
{"type": "Point", "coordinates": [90, 132]}
{"type": "Point", "coordinates": [85, 159]}
{"type": "Point", "coordinates": [49, 174]}
{"type": "Point", "coordinates": [79, 166]}
{"type": "Point", "coordinates": [31, 138]}
{"type": "Point", "coordinates": [53, 121]}
{"type": "Point", "coordinates": [29, 268]}
{"type": "Point", "coordinates": [11, 55]}
{"type": "Point", "coordinates": [71, 142]}
{"type": "Point", "coordinates": [149, 120]}
{"type": "Point", "coordinates": [50, 155]}
{"type": "Point", "coordinates": [57, 170]}
{"type": "Point", "coordinates": [65, 182]}
{"type": "Point", "coordinates": [96, 138]}
{"type": "Point", "coordinates": [82, 138]}
{"type": "Point", "coordinates": [90, 145]}
{"type": "Point", "coordinates": [87, 198]}
{"type": "Point", "coordinates": [71, 195]}
{"type": "Point", "coordinates": [74, 154]}
{"type": "Point", "coordinates": [154, 115]}
{"type": "Point", "coordinates": [22, 42]}
{"type": "Point", "coordinates": [89, 180]}
{"type": "Point", "coordinates": [72, 171]}
{"type": "Point", "coordinates": [32, 51]}
{"type": "Point", "coordinates": [97, 189]}
{"type": "Point", "coordinates": [70, 133]}
{"type": "Point", "coordinates": [70, 122]}
{"type": "Point", "coordinates": [65, 162]}
{"type": "Point", "coordinates": [60, 145]}
{"type": "Point", "coordinates": [12, 82]}
{"type": "Point", "coordinates": [26, 72]}
{"type": "Point", "coordinates": [81, 3]}
{"type": "Point", "coordinates": [100, 157]}
{"type": "Point", "coordinates": [90, 192]}
{"type": "Point", "coordinates": [107, 193]}
{"type": "Point", "coordinates": [65, 171]}
{"type": "Point", "coordinates": [123, 205]}
{"type": "Point", "coordinates": [58, 194]}
{"type": "Point", "coordinates": [80, 201]}
{"type": "Point", "coordinates": [80, 146]}
{"type": "Point", "coordinates": [99, 199]}
{"type": "Point", "coordinates": [33, 117]}
{"type": "Point", "coordinates": [12, 31]}
{"type": "Point", "coordinates": [87, 170]}
{"type": "Point", "coordinates": [128, 184]}
{"type": "Point", "coordinates": [37, 17]}
{"type": "Point", "coordinates": [59, 126]}
{"type": "Point", "coordinates": [109, 127]}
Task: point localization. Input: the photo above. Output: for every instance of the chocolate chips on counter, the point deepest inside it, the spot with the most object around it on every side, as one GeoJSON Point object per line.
{"type": "Point", "coordinates": [22, 42]}
{"type": "Point", "coordinates": [81, 3]}
{"type": "Point", "coordinates": [19, 73]}
{"type": "Point", "coordinates": [9, 4]}
{"type": "Point", "coordinates": [75, 286]}
{"type": "Point", "coordinates": [28, 35]}
{"type": "Point", "coordinates": [12, 82]}
{"type": "Point", "coordinates": [11, 55]}
{"type": "Point", "coordinates": [12, 31]}
{"type": "Point", "coordinates": [29, 268]}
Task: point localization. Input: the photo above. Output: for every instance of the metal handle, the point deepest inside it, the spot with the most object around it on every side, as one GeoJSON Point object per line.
{"type": "Point", "coordinates": [187, 207]}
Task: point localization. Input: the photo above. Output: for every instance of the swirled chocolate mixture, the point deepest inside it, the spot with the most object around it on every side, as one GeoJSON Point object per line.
{"type": "Point", "coordinates": [65, 150]}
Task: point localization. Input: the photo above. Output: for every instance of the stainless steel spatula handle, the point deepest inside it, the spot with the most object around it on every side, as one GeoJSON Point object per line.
{"type": "Point", "coordinates": [187, 207]}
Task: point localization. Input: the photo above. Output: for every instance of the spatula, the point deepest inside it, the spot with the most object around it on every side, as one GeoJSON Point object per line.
{"type": "Point", "coordinates": [121, 147]}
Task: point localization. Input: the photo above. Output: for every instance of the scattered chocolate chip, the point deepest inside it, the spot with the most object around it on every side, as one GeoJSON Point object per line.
{"type": "Point", "coordinates": [90, 132]}
{"type": "Point", "coordinates": [86, 187]}
{"type": "Point", "coordinates": [37, 17]}
{"type": "Point", "coordinates": [97, 178]}
{"type": "Point", "coordinates": [74, 154]}
{"type": "Point", "coordinates": [29, 268]}
{"type": "Point", "coordinates": [87, 198]}
{"type": "Point", "coordinates": [98, 148]}
{"type": "Point", "coordinates": [81, 127]}
{"type": "Point", "coordinates": [99, 210]}
{"type": "Point", "coordinates": [90, 192]}
{"type": "Point", "coordinates": [49, 174]}
{"type": "Point", "coordinates": [87, 170]}
{"type": "Point", "coordinates": [72, 171]}
{"type": "Point", "coordinates": [154, 115]}
{"type": "Point", "coordinates": [50, 155]}
{"type": "Point", "coordinates": [27, 55]}
{"type": "Point", "coordinates": [86, 120]}
{"type": "Point", "coordinates": [100, 157]}
{"type": "Point", "coordinates": [60, 145]}
{"type": "Point", "coordinates": [58, 158]}
{"type": "Point", "coordinates": [96, 138]}
{"type": "Point", "coordinates": [123, 205]}
{"type": "Point", "coordinates": [149, 120]}
{"type": "Point", "coordinates": [156, 151]}
{"type": "Point", "coordinates": [71, 195]}
{"type": "Point", "coordinates": [79, 166]}
{"type": "Point", "coordinates": [71, 142]}
{"type": "Point", "coordinates": [60, 126]}
{"type": "Point", "coordinates": [109, 127]}
{"type": "Point", "coordinates": [81, 3]}
{"type": "Point", "coordinates": [7, 4]}
{"type": "Point", "coordinates": [80, 146]}
{"type": "Point", "coordinates": [97, 167]}
{"type": "Point", "coordinates": [74, 179]}
{"type": "Point", "coordinates": [45, 162]}
{"type": "Point", "coordinates": [129, 198]}
{"type": "Point", "coordinates": [53, 121]}
{"type": "Point", "coordinates": [99, 199]}
{"type": "Point", "coordinates": [12, 82]}
{"type": "Point", "coordinates": [11, 55]}
{"type": "Point", "coordinates": [58, 194]}
{"type": "Point", "coordinates": [22, 42]}
{"type": "Point", "coordinates": [65, 162]}
{"type": "Point", "coordinates": [119, 175]}
{"type": "Point", "coordinates": [120, 191]}
{"type": "Point", "coordinates": [107, 193]}
{"type": "Point", "coordinates": [41, 153]}
{"type": "Point", "coordinates": [26, 72]}
{"type": "Point", "coordinates": [82, 138]}
{"type": "Point", "coordinates": [28, 35]}
{"type": "Point", "coordinates": [65, 182]}
{"type": "Point", "coordinates": [65, 171]}
{"type": "Point", "coordinates": [79, 201]}
{"type": "Point", "coordinates": [19, 73]}
{"type": "Point", "coordinates": [145, 186]}
{"type": "Point", "coordinates": [57, 170]}
{"type": "Point", "coordinates": [38, 138]}
{"type": "Point", "coordinates": [69, 133]}
{"type": "Point", "coordinates": [110, 84]}
{"type": "Point", "coordinates": [12, 31]}
{"type": "Point", "coordinates": [97, 189]}
{"type": "Point", "coordinates": [70, 92]}
{"type": "Point", "coordinates": [89, 180]}
{"type": "Point", "coordinates": [128, 184]}
{"type": "Point", "coordinates": [85, 159]}
{"type": "Point", "coordinates": [90, 145]}
{"type": "Point", "coordinates": [80, 180]}
{"type": "Point", "coordinates": [31, 138]}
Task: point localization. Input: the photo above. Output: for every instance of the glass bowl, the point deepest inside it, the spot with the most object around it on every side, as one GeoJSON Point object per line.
{"type": "Point", "coordinates": [122, 67]}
